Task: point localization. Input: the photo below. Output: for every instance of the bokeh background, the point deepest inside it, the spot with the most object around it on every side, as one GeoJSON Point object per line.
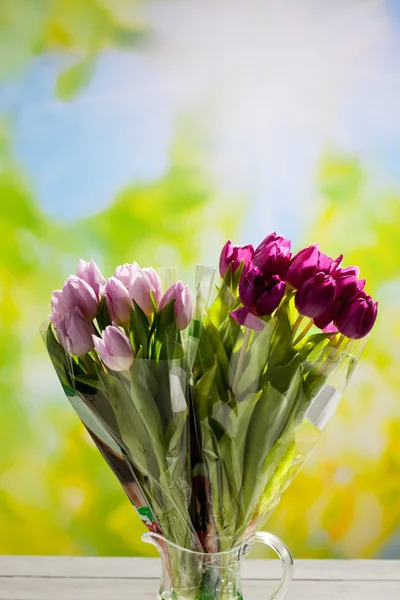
{"type": "Point", "coordinates": [153, 131]}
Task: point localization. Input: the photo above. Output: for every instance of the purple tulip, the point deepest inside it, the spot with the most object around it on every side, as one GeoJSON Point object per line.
{"type": "Point", "coordinates": [118, 301]}
{"type": "Point", "coordinates": [141, 283]}
{"type": "Point", "coordinates": [124, 272]}
{"type": "Point", "coordinates": [357, 317]}
{"type": "Point", "coordinates": [244, 316]}
{"type": "Point", "coordinates": [259, 295]}
{"type": "Point", "coordinates": [183, 303]}
{"type": "Point", "coordinates": [307, 263]}
{"type": "Point", "coordinates": [74, 332]}
{"type": "Point", "coordinates": [347, 283]}
{"type": "Point", "coordinates": [234, 255]}
{"type": "Point", "coordinates": [347, 287]}
{"type": "Point", "coordinates": [316, 296]}
{"type": "Point", "coordinates": [91, 273]}
{"type": "Point", "coordinates": [114, 349]}
{"type": "Point", "coordinates": [272, 256]}
{"type": "Point", "coordinates": [76, 292]}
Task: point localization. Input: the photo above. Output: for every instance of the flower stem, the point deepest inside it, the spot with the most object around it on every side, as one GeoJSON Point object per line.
{"type": "Point", "coordinates": [241, 358]}
{"type": "Point", "coordinates": [304, 332]}
{"type": "Point", "coordinates": [296, 326]}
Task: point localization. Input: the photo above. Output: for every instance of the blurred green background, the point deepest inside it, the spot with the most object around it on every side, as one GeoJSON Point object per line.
{"type": "Point", "coordinates": [153, 131]}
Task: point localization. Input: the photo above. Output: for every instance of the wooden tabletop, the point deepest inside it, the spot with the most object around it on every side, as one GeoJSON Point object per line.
{"type": "Point", "coordinates": [73, 578]}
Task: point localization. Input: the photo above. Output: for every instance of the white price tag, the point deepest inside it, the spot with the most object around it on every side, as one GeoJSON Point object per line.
{"type": "Point", "coordinates": [324, 406]}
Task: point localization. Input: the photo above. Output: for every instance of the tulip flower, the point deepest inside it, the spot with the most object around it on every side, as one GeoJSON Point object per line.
{"type": "Point", "coordinates": [357, 317]}
{"type": "Point", "coordinates": [124, 272]}
{"type": "Point", "coordinates": [114, 349]}
{"type": "Point", "coordinates": [90, 272]}
{"type": "Point", "coordinates": [307, 263]}
{"type": "Point", "coordinates": [58, 306]}
{"type": "Point", "coordinates": [234, 255]}
{"type": "Point", "coordinates": [347, 282]}
{"type": "Point", "coordinates": [141, 283]}
{"type": "Point", "coordinates": [259, 295]}
{"type": "Point", "coordinates": [347, 287]}
{"type": "Point", "coordinates": [74, 332]}
{"type": "Point", "coordinates": [119, 303]}
{"type": "Point", "coordinates": [77, 293]}
{"type": "Point", "coordinates": [183, 303]}
{"type": "Point", "coordinates": [272, 256]}
{"type": "Point", "coordinates": [316, 296]}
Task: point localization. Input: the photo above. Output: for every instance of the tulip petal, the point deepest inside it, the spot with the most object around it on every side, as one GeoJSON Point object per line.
{"type": "Point", "coordinates": [243, 316]}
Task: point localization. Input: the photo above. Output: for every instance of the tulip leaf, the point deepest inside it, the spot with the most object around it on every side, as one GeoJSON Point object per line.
{"type": "Point", "coordinates": [268, 420]}
{"type": "Point", "coordinates": [168, 343]}
{"type": "Point", "coordinates": [103, 317]}
{"type": "Point", "coordinates": [139, 329]}
{"type": "Point", "coordinates": [60, 360]}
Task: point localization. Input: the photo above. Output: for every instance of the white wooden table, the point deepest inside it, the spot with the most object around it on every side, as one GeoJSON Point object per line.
{"type": "Point", "coordinates": [67, 578]}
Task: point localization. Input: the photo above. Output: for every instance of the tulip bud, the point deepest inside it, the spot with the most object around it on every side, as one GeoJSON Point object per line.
{"type": "Point", "coordinates": [234, 255]}
{"type": "Point", "coordinates": [76, 292]}
{"type": "Point", "coordinates": [347, 287]}
{"type": "Point", "coordinates": [119, 303]}
{"type": "Point", "coordinates": [307, 263]}
{"type": "Point", "coordinates": [272, 256]}
{"type": "Point", "coordinates": [316, 296]}
{"type": "Point", "coordinates": [114, 349]}
{"type": "Point", "coordinates": [183, 303]}
{"type": "Point", "coordinates": [58, 306]}
{"type": "Point", "coordinates": [357, 317]}
{"type": "Point", "coordinates": [141, 283]}
{"type": "Point", "coordinates": [124, 272]}
{"type": "Point", "coordinates": [260, 295]}
{"type": "Point", "coordinates": [347, 283]}
{"type": "Point", "coordinates": [91, 273]}
{"type": "Point", "coordinates": [75, 332]}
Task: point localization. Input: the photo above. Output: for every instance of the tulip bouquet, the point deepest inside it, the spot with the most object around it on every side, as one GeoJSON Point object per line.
{"type": "Point", "coordinates": [206, 404]}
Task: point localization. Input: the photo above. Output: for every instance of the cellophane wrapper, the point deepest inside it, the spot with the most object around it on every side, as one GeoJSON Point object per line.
{"type": "Point", "coordinates": [205, 437]}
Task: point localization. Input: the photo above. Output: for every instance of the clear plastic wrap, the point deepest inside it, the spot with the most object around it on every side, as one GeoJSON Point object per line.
{"type": "Point", "coordinates": [208, 426]}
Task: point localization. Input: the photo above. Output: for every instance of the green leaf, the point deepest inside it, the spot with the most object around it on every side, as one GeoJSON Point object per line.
{"type": "Point", "coordinates": [139, 329]}
{"type": "Point", "coordinates": [75, 79]}
{"type": "Point", "coordinates": [103, 317]}
{"type": "Point", "coordinates": [168, 343]}
{"type": "Point", "coordinates": [269, 419]}
{"type": "Point", "coordinates": [61, 361]}
{"type": "Point", "coordinates": [257, 357]}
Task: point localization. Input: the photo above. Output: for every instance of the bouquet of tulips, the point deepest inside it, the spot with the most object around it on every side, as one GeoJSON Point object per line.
{"type": "Point", "coordinates": [206, 403]}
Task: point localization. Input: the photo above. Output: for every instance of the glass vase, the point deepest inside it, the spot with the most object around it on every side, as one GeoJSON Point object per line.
{"type": "Point", "coordinates": [189, 575]}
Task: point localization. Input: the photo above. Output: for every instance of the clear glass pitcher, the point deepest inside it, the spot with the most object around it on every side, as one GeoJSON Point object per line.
{"type": "Point", "coordinates": [189, 575]}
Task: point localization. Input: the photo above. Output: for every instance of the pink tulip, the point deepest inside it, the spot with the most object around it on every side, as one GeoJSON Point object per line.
{"type": "Point", "coordinates": [114, 349]}
{"type": "Point", "coordinates": [119, 303]}
{"type": "Point", "coordinates": [183, 303]}
{"type": "Point", "coordinates": [77, 293]}
{"type": "Point", "coordinates": [124, 272]}
{"type": "Point", "coordinates": [90, 272]}
{"type": "Point", "coordinates": [58, 306]}
{"type": "Point", "coordinates": [141, 283]}
{"type": "Point", "coordinates": [74, 332]}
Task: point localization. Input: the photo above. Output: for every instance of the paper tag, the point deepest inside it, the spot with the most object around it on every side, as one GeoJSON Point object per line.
{"type": "Point", "coordinates": [177, 383]}
{"type": "Point", "coordinates": [324, 406]}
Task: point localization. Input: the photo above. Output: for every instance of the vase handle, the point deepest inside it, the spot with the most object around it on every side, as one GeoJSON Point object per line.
{"type": "Point", "coordinates": [285, 557]}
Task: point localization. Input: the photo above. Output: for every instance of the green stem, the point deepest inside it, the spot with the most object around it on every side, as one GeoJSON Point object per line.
{"type": "Point", "coordinates": [241, 358]}
{"type": "Point", "coordinates": [303, 333]}
{"type": "Point", "coordinates": [296, 326]}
